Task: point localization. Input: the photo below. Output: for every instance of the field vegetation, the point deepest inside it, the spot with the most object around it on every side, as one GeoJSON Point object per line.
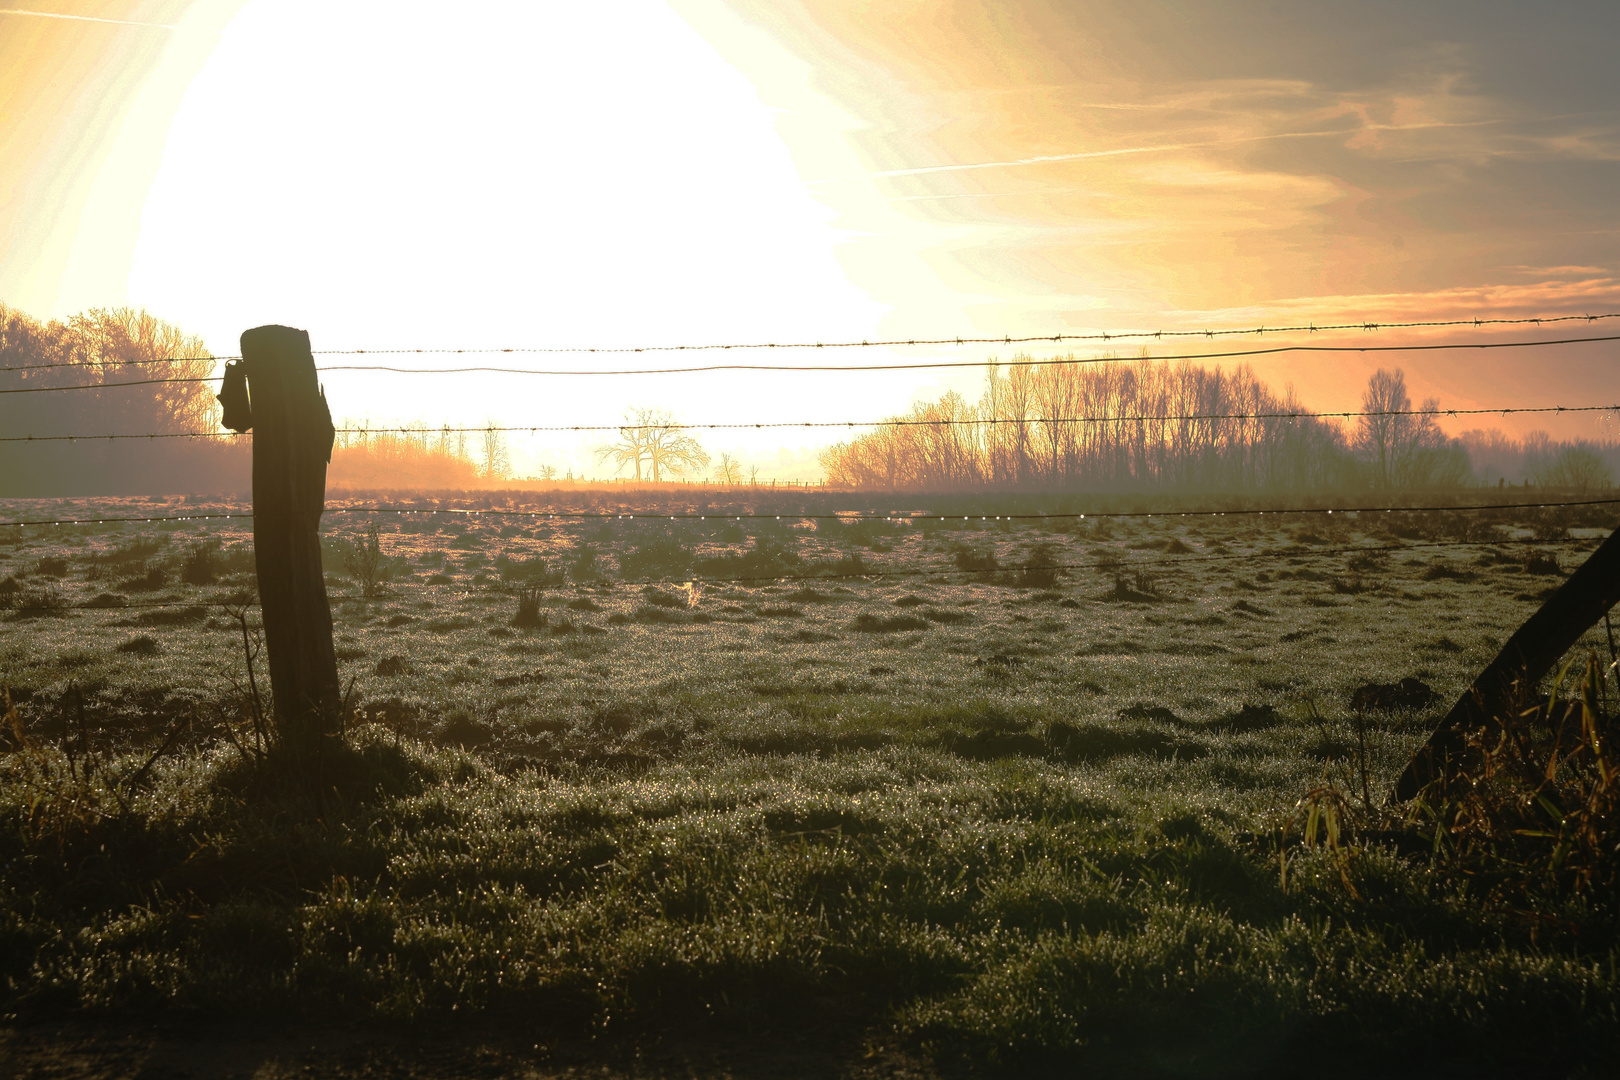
{"type": "Point", "coordinates": [1086, 792]}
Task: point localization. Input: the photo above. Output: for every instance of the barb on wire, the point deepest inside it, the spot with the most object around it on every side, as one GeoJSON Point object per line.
{"type": "Point", "coordinates": [1005, 339]}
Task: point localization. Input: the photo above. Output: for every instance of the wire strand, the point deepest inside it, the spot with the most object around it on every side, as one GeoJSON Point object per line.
{"type": "Point", "coordinates": [929, 364]}
{"type": "Point", "coordinates": [115, 363]}
{"type": "Point", "coordinates": [936, 364]}
{"type": "Point", "coordinates": [589, 515]}
{"type": "Point", "coordinates": [1104, 335]}
{"type": "Point", "coordinates": [1003, 340]}
{"type": "Point", "coordinates": [1299, 414]}
{"type": "Point", "coordinates": [107, 385]}
{"type": "Point", "coordinates": [898, 422]}
{"type": "Point", "coordinates": [1075, 515]}
{"type": "Point", "coordinates": [1056, 361]}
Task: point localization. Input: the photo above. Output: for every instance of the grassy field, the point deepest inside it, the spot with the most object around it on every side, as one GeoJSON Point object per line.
{"type": "Point", "coordinates": [1000, 817]}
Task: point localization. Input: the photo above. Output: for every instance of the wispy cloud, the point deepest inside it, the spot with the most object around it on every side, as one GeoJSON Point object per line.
{"type": "Point", "coordinates": [1083, 155]}
{"type": "Point", "coordinates": [87, 18]}
{"type": "Point", "coordinates": [1591, 296]}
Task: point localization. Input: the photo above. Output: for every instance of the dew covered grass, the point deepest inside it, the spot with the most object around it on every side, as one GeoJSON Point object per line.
{"type": "Point", "coordinates": [1004, 825]}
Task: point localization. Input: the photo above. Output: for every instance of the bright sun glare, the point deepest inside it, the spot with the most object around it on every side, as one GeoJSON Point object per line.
{"type": "Point", "coordinates": [514, 174]}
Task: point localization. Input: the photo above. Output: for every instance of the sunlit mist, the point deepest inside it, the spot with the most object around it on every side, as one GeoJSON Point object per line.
{"type": "Point", "coordinates": [649, 173]}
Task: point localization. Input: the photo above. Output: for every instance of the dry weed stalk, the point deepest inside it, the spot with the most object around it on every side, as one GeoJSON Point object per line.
{"type": "Point", "coordinates": [1539, 809]}
{"type": "Point", "coordinates": [257, 741]}
{"type": "Point", "coordinates": [367, 564]}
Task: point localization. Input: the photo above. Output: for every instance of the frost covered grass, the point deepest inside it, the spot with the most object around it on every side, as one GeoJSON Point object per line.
{"type": "Point", "coordinates": [1005, 825]}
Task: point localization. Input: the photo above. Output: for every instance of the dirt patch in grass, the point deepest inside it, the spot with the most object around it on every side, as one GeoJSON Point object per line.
{"type": "Point", "coordinates": [868, 623]}
{"type": "Point", "coordinates": [802, 637]}
{"type": "Point", "coordinates": [1099, 742]}
{"type": "Point", "coordinates": [180, 615]}
{"type": "Point", "coordinates": [143, 645]}
{"type": "Point", "coordinates": [1407, 694]}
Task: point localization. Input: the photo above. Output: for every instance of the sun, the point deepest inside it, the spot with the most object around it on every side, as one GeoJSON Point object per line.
{"type": "Point", "coordinates": [505, 174]}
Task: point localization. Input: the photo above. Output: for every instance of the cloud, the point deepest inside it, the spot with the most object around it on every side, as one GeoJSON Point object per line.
{"type": "Point", "coordinates": [1545, 299]}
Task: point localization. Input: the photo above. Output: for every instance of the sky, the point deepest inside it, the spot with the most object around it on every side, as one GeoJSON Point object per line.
{"type": "Point", "coordinates": [649, 172]}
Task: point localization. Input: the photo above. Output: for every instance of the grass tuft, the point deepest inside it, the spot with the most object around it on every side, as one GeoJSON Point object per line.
{"type": "Point", "coordinates": [528, 615]}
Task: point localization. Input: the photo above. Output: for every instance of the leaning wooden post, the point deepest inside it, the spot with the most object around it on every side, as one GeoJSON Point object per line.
{"type": "Point", "coordinates": [1529, 654]}
{"type": "Point", "coordinates": [292, 443]}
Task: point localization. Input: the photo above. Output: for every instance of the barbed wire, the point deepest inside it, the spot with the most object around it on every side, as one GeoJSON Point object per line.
{"type": "Point", "coordinates": [107, 385]}
{"type": "Point", "coordinates": [1005, 339]}
{"type": "Point", "coordinates": [144, 435]}
{"type": "Point", "coordinates": [936, 364]}
{"type": "Point", "coordinates": [860, 516]}
{"type": "Point", "coordinates": [721, 516]}
{"type": "Point", "coordinates": [820, 368]}
{"type": "Point", "coordinates": [103, 364]}
{"type": "Point", "coordinates": [1102, 564]}
{"type": "Point", "coordinates": [1298, 414]}
{"type": "Point", "coordinates": [425, 433]}
{"type": "Point", "coordinates": [1102, 335]}
{"type": "Point", "coordinates": [109, 520]}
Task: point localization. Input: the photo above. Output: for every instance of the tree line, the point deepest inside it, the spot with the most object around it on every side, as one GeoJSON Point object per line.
{"type": "Point", "coordinates": [1155, 426]}
{"type": "Point", "coordinates": [95, 348]}
{"type": "Point", "coordinates": [1072, 426]}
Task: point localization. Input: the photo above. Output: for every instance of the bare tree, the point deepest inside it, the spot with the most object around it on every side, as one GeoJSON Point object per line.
{"type": "Point", "coordinates": [495, 461]}
{"type": "Point", "coordinates": [1577, 466]}
{"type": "Point", "coordinates": [629, 450]}
{"type": "Point", "coordinates": [728, 472]}
{"type": "Point", "coordinates": [653, 436]}
{"type": "Point", "coordinates": [1379, 435]}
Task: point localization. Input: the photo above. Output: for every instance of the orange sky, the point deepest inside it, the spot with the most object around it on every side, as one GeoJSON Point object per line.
{"type": "Point", "coordinates": [634, 172]}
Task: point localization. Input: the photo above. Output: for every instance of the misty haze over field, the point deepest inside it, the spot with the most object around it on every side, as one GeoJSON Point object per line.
{"type": "Point", "coordinates": [789, 538]}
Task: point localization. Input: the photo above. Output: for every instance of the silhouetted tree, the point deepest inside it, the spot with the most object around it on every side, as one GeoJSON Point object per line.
{"type": "Point", "coordinates": [653, 437]}
{"type": "Point", "coordinates": [111, 346]}
{"type": "Point", "coordinates": [494, 459]}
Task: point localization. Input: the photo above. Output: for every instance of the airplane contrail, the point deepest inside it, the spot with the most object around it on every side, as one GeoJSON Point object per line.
{"type": "Point", "coordinates": [87, 18]}
{"type": "Point", "coordinates": [1044, 159]}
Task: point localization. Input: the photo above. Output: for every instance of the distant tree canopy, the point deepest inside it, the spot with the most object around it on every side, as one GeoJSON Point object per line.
{"type": "Point", "coordinates": [1147, 425]}
{"type": "Point", "coordinates": [1581, 464]}
{"type": "Point", "coordinates": [96, 348]}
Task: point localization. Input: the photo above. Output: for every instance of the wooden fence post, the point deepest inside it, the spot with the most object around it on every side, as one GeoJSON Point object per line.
{"type": "Point", "coordinates": [1529, 654]}
{"type": "Point", "coordinates": [292, 443]}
